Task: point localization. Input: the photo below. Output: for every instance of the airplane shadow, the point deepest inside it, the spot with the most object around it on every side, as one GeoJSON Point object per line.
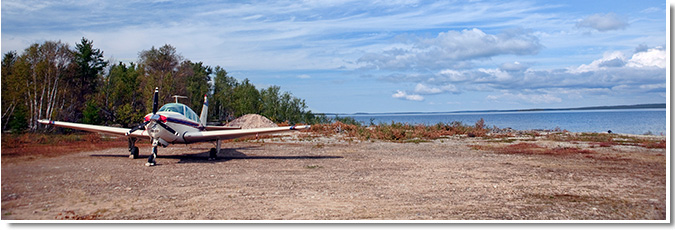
{"type": "Point", "coordinates": [224, 155]}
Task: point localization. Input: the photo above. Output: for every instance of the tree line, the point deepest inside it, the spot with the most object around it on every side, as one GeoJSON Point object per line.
{"type": "Point", "coordinates": [53, 81]}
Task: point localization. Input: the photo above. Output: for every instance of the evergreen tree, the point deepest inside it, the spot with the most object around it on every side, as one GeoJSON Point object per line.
{"type": "Point", "coordinates": [89, 66]}
{"type": "Point", "coordinates": [222, 102]}
{"type": "Point", "coordinates": [122, 97]}
{"type": "Point", "coordinates": [246, 99]}
{"type": "Point", "coordinates": [13, 88]}
{"type": "Point", "coordinates": [197, 85]}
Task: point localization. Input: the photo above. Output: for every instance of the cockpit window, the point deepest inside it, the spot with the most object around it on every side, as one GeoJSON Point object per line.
{"type": "Point", "coordinates": [180, 108]}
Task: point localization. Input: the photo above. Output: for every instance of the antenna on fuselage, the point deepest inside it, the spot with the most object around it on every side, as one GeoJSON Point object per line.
{"type": "Point", "coordinates": [178, 96]}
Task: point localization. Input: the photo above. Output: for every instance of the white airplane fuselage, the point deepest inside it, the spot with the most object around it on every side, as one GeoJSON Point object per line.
{"type": "Point", "coordinates": [176, 120]}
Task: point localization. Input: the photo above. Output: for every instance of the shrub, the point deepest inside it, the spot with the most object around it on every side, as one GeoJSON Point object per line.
{"type": "Point", "coordinates": [399, 132]}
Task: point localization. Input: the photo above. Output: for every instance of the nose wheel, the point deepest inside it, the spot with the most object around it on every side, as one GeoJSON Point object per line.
{"type": "Point", "coordinates": [151, 159]}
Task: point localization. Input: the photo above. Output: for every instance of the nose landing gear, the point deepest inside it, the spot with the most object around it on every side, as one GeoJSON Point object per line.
{"type": "Point", "coordinates": [151, 159]}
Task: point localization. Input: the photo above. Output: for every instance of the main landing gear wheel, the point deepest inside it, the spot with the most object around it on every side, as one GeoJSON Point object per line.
{"type": "Point", "coordinates": [133, 150]}
{"type": "Point", "coordinates": [213, 154]}
{"type": "Point", "coordinates": [134, 153]}
{"type": "Point", "coordinates": [151, 159]}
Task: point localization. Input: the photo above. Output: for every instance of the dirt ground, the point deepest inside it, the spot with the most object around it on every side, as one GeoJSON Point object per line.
{"type": "Point", "coordinates": [329, 178]}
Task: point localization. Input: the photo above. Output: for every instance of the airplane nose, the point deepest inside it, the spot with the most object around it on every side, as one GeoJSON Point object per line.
{"type": "Point", "coordinates": [154, 130]}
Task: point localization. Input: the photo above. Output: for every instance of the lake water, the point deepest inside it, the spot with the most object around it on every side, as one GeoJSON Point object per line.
{"type": "Point", "coordinates": [637, 121]}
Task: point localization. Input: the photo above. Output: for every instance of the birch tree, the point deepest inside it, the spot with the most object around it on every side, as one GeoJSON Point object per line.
{"type": "Point", "coordinates": [45, 68]}
{"type": "Point", "coordinates": [159, 68]}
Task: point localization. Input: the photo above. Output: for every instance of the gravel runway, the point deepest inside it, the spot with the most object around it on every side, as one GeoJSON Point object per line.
{"type": "Point", "coordinates": [330, 178]}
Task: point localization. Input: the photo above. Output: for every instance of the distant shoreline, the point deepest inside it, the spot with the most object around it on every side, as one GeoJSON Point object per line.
{"type": "Point", "coordinates": [612, 107]}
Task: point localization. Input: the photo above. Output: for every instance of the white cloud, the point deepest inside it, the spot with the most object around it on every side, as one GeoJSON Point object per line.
{"type": "Point", "coordinates": [456, 49]}
{"type": "Point", "coordinates": [452, 75]}
{"type": "Point", "coordinates": [424, 89]}
{"type": "Point", "coordinates": [496, 75]}
{"type": "Point", "coordinates": [304, 76]}
{"type": "Point", "coordinates": [603, 22]}
{"type": "Point", "coordinates": [651, 57]}
{"type": "Point", "coordinates": [654, 57]}
{"type": "Point", "coordinates": [513, 67]}
{"type": "Point", "coordinates": [608, 60]}
{"type": "Point", "coordinates": [403, 95]}
{"type": "Point", "coordinates": [474, 43]}
{"type": "Point", "coordinates": [651, 10]}
{"type": "Point", "coordinates": [614, 74]}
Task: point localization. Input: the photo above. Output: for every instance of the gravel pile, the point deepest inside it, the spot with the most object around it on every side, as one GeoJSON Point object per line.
{"type": "Point", "coordinates": [252, 121]}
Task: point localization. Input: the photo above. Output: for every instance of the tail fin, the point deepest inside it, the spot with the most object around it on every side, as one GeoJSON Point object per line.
{"type": "Point", "coordinates": [205, 112]}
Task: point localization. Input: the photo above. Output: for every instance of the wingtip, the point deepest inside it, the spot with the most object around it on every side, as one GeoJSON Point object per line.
{"type": "Point", "coordinates": [46, 122]}
{"type": "Point", "coordinates": [301, 127]}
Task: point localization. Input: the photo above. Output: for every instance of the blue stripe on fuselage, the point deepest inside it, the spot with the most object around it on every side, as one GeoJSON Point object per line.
{"type": "Point", "coordinates": [183, 122]}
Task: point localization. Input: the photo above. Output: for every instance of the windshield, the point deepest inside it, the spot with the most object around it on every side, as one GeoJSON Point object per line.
{"type": "Point", "coordinates": [180, 108]}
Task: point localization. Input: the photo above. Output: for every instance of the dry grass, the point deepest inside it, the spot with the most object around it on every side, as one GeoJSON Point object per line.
{"type": "Point", "coordinates": [654, 144]}
{"type": "Point", "coordinates": [401, 132]}
{"type": "Point", "coordinates": [532, 149]}
{"type": "Point", "coordinates": [608, 140]}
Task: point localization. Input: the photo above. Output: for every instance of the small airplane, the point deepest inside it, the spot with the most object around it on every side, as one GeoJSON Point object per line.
{"type": "Point", "coordinates": [174, 123]}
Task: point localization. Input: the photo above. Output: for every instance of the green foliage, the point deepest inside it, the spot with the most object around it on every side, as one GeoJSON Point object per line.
{"type": "Point", "coordinates": [347, 120]}
{"type": "Point", "coordinates": [127, 116]}
{"type": "Point", "coordinates": [45, 71]}
{"type": "Point", "coordinates": [122, 97]}
{"type": "Point", "coordinates": [159, 68]}
{"type": "Point", "coordinates": [221, 107]}
{"type": "Point", "coordinates": [246, 99]}
{"type": "Point", "coordinates": [312, 118]}
{"type": "Point", "coordinates": [86, 83]}
{"type": "Point", "coordinates": [197, 85]}
{"type": "Point", "coordinates": [12, 90]}
{"type": "Point", "coordinates": [92, 113]}
{"type": "Point", "coordinates": [90, 64]}
{"type": "Point", "coordinates": [18, 121]}
{"type": "Point", "coordinates": [271, 103]}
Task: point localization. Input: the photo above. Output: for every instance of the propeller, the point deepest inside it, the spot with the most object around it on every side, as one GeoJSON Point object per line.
{"type": "Point", "coordinates": [139, 127]}
{"type": "Point", "coordinates": [154, 117]}
{"type": "Point", "coordinates": [155, 101]}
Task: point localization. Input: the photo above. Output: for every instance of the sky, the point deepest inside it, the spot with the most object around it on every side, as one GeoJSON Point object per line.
{"type": "Point", "coordinates": [385, 56]}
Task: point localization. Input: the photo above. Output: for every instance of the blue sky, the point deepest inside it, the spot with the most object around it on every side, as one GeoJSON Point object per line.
{"type": "Point", "coordinates": [386, 56]}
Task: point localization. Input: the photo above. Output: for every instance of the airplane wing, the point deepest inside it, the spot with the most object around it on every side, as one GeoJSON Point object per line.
{"type": "Point", "coordinates": [232, 134]}
{"type": "Point", "coordinates": [95, 128]}
{"type": "Point", "coordinates": [216, 128]}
